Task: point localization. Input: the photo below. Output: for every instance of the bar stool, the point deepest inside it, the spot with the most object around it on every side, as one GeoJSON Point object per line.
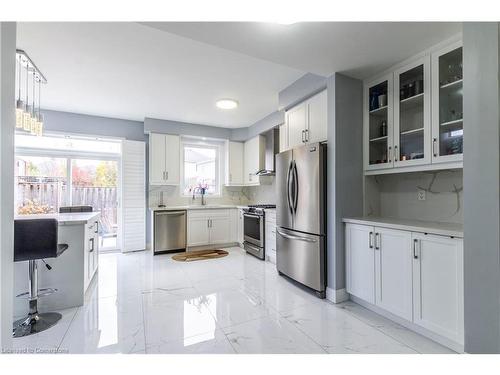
{"type": "Point", "coordinates": [69, 209]}
{"type": "Point", "coordinates": [36, 239]}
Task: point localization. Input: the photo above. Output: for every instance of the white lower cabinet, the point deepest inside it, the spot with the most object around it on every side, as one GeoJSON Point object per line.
{"type": "Point", "coordinates": [240, 226]}
{"type": "Point", "coordinates": [208, 227]}
{"type": "Point", "coordinates": [415, 276]}
{"type": "Point", "coordinates": [360, 258]}
{"type": "Point", "coordinates": [438, 281]}
{"type": "Point", "coordinates": [270, 235]}
{"type": "Point", "coordinates": [91, 259]}
{"type": "Point", "coordinates": [393, 267]}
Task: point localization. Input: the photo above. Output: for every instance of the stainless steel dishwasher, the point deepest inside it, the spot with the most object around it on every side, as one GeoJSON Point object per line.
{"type": "Point", "coordinates": [169, 231]}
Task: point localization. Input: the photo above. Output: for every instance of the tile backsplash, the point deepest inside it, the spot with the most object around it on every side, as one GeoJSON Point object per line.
{"type": "Point", "coordinates": [230, 195]}
{"type": "Point", "coordinates": [396, 195]}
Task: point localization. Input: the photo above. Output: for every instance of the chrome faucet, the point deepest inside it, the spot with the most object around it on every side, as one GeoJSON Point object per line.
{"type": "Point", "coordinates": [203, 201]}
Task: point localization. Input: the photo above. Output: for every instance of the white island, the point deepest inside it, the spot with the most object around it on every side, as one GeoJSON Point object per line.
{"type": "Point", "coordinates": [72, 271]}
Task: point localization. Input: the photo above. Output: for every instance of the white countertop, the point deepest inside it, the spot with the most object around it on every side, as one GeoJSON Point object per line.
{"type": "Point", "coordinates": [444, 229]}
{"type": "Point", "coordinates": [65, 219]}
{"type": "Point", "coordinates": [197, 207]}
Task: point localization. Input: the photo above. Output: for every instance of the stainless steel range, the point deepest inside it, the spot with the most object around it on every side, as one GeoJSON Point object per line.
{"type": "Point", "coordinates": [254, 229]}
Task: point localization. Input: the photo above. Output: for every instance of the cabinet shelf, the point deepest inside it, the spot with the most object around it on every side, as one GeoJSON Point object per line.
{"type": "Point", "coordinates": [413, 131]}
{"type": "Point", "coordinates": [451, 85]}
{"type": "Point", "coordinates": [451, 123]}
{"type": "Point", "coordinates": [412, 101]}
{"type": "Point", "coordinates": [380, 110]}
{"type": "Point", "coordinates": [378, 139]}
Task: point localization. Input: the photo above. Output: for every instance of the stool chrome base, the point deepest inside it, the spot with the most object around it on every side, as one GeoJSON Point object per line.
{"type": "Point", "coordinates": [35, 323]}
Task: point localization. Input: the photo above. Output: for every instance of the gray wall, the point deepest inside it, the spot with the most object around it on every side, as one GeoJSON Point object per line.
{"type": "Point", "coordinates": [68, 122]}
{"type": "Point", "coordinates": [7, 121]}
{"type": "Point", "coordinates": [481, 186]}
{"type": "Point", "coordinates": [345, 168]}
{"type": "Point", "coordinates": [307, 85]}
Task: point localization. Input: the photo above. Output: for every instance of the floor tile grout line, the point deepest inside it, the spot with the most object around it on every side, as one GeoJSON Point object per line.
{"type": "Point", "coordinates": [378, 329]}
{"type": "Point", "coordinates": [69, 326]}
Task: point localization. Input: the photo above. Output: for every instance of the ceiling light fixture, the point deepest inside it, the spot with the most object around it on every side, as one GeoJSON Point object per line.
{"type": "Point", "coordinates": [226, 103]}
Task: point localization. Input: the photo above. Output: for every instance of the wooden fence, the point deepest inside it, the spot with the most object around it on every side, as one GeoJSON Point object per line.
{"type": "Point", "coordinates": [45, 194]}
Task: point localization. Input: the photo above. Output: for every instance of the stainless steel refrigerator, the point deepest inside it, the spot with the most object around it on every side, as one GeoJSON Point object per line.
{"type": "Point", "coordinates": [301, 215]}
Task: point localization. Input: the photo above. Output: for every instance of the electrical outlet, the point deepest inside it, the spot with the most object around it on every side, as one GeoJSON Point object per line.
{"type": "Point", "coordinates": [421, 195]}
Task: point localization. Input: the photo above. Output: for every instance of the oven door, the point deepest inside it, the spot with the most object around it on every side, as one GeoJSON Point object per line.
{"type": "Point", "coordinates": [253, 229]}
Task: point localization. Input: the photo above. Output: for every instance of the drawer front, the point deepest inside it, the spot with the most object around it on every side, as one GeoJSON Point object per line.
{"type": "Point", "coordinates": [209, 213]}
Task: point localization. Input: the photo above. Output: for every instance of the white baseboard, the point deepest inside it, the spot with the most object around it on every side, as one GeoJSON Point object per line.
{"type": "Point", "coordinates": [336, 295]}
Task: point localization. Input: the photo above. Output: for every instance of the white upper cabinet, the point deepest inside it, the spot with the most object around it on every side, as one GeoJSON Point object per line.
{"type": "Point", "coordinates": [378, 124]}
{"type": "Point", "coordinates": [413, 116]}
{"type": "Point", "coordinates": [447, 104]}
{"type": "Point", "coordinates": [296, 120]}
{"type": "Point", "coordinates": [254, 159]}
{"type": "Point", "coordinates": [317, 121]}
{"type": "Point", "coordinates": [234, 162]}
{"type": "Point", "coordinates": [438, 285]}
{"type": "Point", "coordinates": [305, 123]}
{"type": "Point", "coordinates": [164, 159]}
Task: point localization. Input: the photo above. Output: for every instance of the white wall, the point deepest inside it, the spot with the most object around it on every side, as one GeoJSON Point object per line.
{"type": "Point", "coordinates": [7, 121]}
{"type": "Point", "coordinates": [396, 196]}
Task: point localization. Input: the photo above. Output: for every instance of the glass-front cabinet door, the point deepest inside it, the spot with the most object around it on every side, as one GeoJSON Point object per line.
{"type": "Point", "coordinates": [447, 113]}
{"type": "Point", "coordinates": [378, 102]}
{"type": "Point", "coordinates": [412, 114]}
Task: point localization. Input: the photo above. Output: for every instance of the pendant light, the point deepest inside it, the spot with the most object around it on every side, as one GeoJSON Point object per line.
{"type": "Point", "coordinates": [33, 110]}
{"type": "Point", "coordinates": [27, 111]}
{"type": "Point", "coordinates": [20, 105]}
{"type": "Point", "coordinates": [28, 117]}
{"type": "Point", "coordinates": [39, 123]}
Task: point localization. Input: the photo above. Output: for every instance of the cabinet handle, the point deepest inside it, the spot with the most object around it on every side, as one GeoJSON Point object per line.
{"type": "Point", "coordinates": [370, 240]}
{"type": "Point", "coordinates": [307, 134]}
{"type": "Point", "coordinates": [303, 136]}
{"type": "Point", "coordinates": [389, 154]}
{"type": "Point", "coordinates": [166, 174]}
{"type": "Point", "coordinates": [434, 144]}
{"type": "Point", "coordinates": [415, 243]}
{"type": "Point", "coordinates": [377, 241]}
{"type": "Point", "coordinates": [396, 156]}
{"type": "Point", "coordinates": [96, 227]}
{"type": "Point", "coordinates": [92, 245]}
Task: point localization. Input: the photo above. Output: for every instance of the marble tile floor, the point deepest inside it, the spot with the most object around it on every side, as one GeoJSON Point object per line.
{"type": "Point", "coordinates": [139, 304]}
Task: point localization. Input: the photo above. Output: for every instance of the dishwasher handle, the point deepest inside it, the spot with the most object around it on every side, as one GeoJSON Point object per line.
{"type": "Point", "coordinates": [170, 213]}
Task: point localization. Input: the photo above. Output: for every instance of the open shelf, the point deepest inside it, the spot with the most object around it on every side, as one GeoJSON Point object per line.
{"type": "Point", "coordinates": [452, 122]}
{"type": "Point", "coordinates": [413, 131]}
{"type": "Point", "coordinates": [380, 110]}
{"type": "Point", "coordinates": [378, 139]}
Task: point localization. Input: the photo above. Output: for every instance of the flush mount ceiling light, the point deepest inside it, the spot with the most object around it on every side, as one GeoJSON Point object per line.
{"type": "Point", "coordinates": [226, 103]}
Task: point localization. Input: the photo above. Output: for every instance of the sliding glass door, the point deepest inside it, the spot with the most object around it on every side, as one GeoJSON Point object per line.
{"type": "Point", "coordinates": [57, 171]}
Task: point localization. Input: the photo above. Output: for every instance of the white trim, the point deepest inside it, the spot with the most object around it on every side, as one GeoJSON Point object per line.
{"type": "Point", "coordinates": [337, 295]}
{"type": "Point", "coordinates": [417, 168]}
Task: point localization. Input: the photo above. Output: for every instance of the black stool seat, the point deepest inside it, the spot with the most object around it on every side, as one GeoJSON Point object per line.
{"type": "Point", "coordinates": [70, 209]}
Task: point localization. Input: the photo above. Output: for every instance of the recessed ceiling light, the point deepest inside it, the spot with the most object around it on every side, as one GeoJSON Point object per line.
{"type": "Point", "coordinates": [226, 103]}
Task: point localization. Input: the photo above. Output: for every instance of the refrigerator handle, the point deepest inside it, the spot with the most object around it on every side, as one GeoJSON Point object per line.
{"type": "Point", "coordinates": [288, 190]}
{"type": "Point", "coordinates": [296, 184]}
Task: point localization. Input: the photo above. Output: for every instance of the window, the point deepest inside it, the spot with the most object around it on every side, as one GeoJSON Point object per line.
{"type": "Point", "coordinates": [201, 166]}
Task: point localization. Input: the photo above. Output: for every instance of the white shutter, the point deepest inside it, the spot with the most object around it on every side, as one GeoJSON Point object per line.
{"type": "Point", "coordinates": [134, 196]}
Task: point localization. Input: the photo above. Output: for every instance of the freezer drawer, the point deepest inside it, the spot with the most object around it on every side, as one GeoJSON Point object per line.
{"type": "Point", "coordinates": [169, 231]}
{"type": "Point", "coordinates": [301, 257]}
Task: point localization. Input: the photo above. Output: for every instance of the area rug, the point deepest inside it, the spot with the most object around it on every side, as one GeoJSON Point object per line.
{"type": "Point", "coordinates": [191, 256]}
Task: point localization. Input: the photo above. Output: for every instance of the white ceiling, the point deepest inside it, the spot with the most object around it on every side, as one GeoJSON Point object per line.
{"type": "Point", "coordinates": [131, 71]}
{"type": "Point", "coordinates": [358, 49]}
{"type": "Point", "coordinates": [177, 71]}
